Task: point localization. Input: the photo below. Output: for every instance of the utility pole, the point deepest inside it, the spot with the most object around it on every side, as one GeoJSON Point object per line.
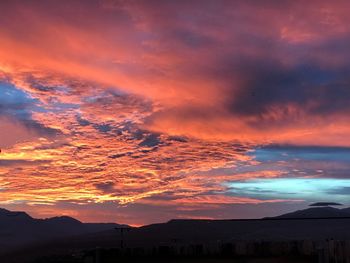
{"type": "Point", "coordinates": [98, 255]}
{"type": "Point", "coordinates": [122, 230]}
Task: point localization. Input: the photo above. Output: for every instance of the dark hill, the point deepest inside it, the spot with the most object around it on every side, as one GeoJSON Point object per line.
{"type": "Point", "coordinates": [317, 212]}
{"type": "Point", "coordinates": [19, 229]}
{"type": "Point", "coordinates": [346, 210]}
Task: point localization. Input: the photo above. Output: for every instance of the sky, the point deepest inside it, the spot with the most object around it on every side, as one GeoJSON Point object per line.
{"type": "Point", "coordinates": [142, 111]}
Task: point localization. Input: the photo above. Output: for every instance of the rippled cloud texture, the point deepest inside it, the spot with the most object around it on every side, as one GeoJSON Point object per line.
{"type": "Point", "coordinates": [143, 111]}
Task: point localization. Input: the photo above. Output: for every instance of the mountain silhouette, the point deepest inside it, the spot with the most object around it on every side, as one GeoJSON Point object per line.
{"type": "Point", "coordinates": [20, 229]}
{"type": "Point", "coordinates": [347, 210]}
{"type": "Point", "coordinates": [7, 215]}
{"type": "Point", "coordinates": [317, 212]}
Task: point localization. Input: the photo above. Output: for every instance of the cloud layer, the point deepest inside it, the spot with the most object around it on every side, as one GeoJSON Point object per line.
{"type": "Point", "coordinates": [165, 103]}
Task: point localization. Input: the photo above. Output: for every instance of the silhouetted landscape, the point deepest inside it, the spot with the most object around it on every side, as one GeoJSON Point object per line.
{"type": "Point", "coordinates": [297, 236]}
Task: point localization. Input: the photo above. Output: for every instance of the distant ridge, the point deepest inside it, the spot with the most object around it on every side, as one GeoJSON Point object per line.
{"type": "Point", "coordinates": [17, 228]}
{"type": "Point", "coordinates": [347, 210]}
{"type": "Point", "coordinates": [315, 212]}
{"type": "Point", "coordinates": [19, 214]}
{"type": "Point", "coordinates": [309, 213]}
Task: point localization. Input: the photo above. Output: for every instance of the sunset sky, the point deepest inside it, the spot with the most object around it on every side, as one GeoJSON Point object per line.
{"type": "Point", "coordinates": [142, 111]}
